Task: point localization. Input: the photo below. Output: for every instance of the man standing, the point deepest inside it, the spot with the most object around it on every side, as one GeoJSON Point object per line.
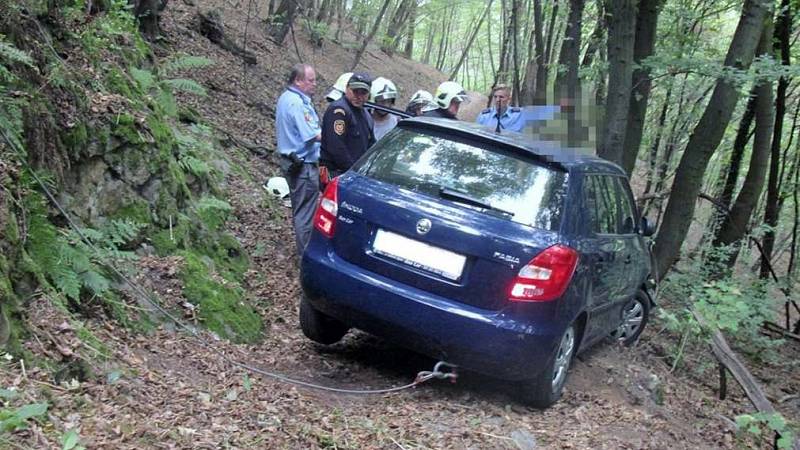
{"type": "Point", "coordinates": [383, 93]}
{"type": "Point", "coordinates": [449, 96]}
{"type": "Point", "coordinates": [510, 118]}
{"type": "Point", "coordinates": [298, 133]}
{"type": "Point", "coordinates": [347, 127]}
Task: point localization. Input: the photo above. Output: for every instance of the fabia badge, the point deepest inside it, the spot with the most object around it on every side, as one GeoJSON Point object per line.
{"type": "Point", "coordinates": [423, 226]}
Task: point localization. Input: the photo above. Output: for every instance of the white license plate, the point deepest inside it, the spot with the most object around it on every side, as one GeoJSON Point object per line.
{"type": "Point", "coordinates": [419, 254]}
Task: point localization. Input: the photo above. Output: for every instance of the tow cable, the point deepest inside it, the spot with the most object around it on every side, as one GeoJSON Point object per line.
{"type": "Point", "coordinates": [442, 370]}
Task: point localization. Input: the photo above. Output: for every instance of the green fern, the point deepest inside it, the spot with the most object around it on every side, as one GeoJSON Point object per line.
{"type": "Point", "coordinates": [144, 78]}
{"type": "Point", "coordinates": [195, 166]}
{"type": "Point", "coordinates": [12, 54]}
{"type": "Point", "coordinates": [184, 63]}
{"type": "Point", "coordinates": [182, 84]}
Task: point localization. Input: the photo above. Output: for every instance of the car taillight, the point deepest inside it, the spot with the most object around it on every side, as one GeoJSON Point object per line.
{"type": "Point", "coordinates": [325, 216]}
{"type": "Point", "coordinates": [547, 276]}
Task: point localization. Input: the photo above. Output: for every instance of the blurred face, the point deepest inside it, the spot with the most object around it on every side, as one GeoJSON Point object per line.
{"type": "Point", "coordinates": [389, 103]}
{"type": "Point", "coordinates": [454, 106]}
{"type": "Point", "coordinates": [309, 84]}
{"type": "Point", "coordinates": [357, 97]}
{"type": "Point", "coordinates": [501, 96]}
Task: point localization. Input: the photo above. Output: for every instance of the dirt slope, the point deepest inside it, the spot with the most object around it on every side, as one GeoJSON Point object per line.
{"type": "Point", "coordinates": [169, 391]}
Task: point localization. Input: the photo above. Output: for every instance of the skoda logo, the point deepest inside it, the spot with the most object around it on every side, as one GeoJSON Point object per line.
{"type": "Point", "coordinates": [423, 226]}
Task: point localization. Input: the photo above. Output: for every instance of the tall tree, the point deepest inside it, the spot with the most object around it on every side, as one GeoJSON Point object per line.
{"type": "Point", "coordinates": [567, 80]}
{"type": "Point", "coordinates": [706, 136]}
{"type": "Point", "coordinates": [534, 90]}
{"type": "Point", "coordinates": [734, 226]}
{"type": "Point", "coordinates": [773, 205]}
{"type": "Point", "coordinates": [396, 25]}
{"type": "Point", "coordinates": [412, 24]}
{"type": "Point", "coordinates": [371, 34]}
{"type": "Point", "coordinates": [471, 39]}
{"type": "Point", "coordinates": [646, 23]}
{"type": "Point", "coordinates": [621, 25]}
{"type": "Point", "coordinates": [283, 19]}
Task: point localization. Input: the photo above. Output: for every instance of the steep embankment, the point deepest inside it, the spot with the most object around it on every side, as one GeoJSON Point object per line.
{"type": "Point", "coordinates": [165, 389]}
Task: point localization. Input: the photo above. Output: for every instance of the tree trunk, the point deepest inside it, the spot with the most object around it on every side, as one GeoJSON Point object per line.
{"type": "Point", "coordinates": [567, 81]}
{"type": "Point", "coordinates": [734, 226]}
{"type": "Point", "coordinates": [426, 57]}
{"type": "Point", "coordinates": [706, 136]}
{"type": "Point", "coordinates": [621, 25]}
{"type": "Point", "coordinates": [408, 52]}
{"type": "Point", "coordinates": [284, 16]}
{"type": "Point", "coordinates": [516, 12]}
{"type": "Point", "coordinates": [371, 34]}
{"type": "Point", "coordinates": [653, 163]}
{"type": "Point", "coordinates": [548, 48]}
{"type": "Point", "coordinates": [396, 25]}
{"type": "Point", "coordinates": [773, 206]}
{"type": "Point", "coordinates": [596, 38]}
{"type": "Point", "coordinates": [148, 13]}
{"type": "Point", "coordinates": [646, 23]}
{"type": "Point", "coordinates": [471, 39]}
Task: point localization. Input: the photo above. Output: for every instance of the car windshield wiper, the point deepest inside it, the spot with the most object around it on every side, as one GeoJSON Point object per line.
{"type": "Point", "coordinates": [463, 197]}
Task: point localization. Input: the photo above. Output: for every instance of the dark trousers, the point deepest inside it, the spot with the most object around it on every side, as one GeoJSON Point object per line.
{"type": "Point", "coordinates": [304, 192]}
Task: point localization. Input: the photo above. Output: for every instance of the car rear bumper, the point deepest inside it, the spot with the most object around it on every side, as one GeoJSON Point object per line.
{"type": "Point", "coordinates": [513, 343]}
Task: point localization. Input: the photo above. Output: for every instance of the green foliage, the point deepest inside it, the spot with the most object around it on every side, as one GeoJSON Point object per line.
{"type": "Point", "coordinates": [213, 211]}
{"type": "Point", "coordinates": [756, 424]}
{"type": "Point", "coordinates": [71, 441]}
{"type": "Point", "coordinates": [9, 54]}
{"type": "Point", "coordinates": [17, 419]}
{"type": "Point", "coordinates": [737, 305]}
{"type": "Point", "coordinates": [189, 86]}
{"type": "Point", "coordinates": [181, 63]}
{"type": "Point", "coordinates": [220, 302]}
{"type": "Point", "coordinates": [194, 149]}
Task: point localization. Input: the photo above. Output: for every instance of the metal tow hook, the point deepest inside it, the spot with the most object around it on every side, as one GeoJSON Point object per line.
{"type": "Point", "coordinates": [442, 371]}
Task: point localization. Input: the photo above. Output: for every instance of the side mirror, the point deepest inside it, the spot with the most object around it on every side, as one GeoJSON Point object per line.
{"type": "Point", "coordinates": [647, 228]}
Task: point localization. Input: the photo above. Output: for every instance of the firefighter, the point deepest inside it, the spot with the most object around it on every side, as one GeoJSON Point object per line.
{"type": "Point", "coordinates": [339, 87]}
{"type": "Point", "coordinates": [448, 98]}
{"type": "Point", "coordinates": [419, 100]}
{"type": "Point", "coordinates": [383, 92]}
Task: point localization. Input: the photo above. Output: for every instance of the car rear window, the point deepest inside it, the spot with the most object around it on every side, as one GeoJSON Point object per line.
{"type": "Point", "coordinates": [489, 180]}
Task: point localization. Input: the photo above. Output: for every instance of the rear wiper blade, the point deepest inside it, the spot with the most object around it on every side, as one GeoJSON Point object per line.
{"type": "Point", "coordinates": [463, 197]}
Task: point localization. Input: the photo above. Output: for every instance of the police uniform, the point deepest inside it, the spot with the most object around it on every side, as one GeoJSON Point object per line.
{"type": "Point", "coordinates": [296, 129]}
{"type": "Point", "coordinates": [346, 135]}
{"type": "Point", "coordinates": [511, 119]}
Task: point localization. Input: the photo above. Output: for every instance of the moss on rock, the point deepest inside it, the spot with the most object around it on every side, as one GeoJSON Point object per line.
{"type": "Point", "coordinates": [220, 302]}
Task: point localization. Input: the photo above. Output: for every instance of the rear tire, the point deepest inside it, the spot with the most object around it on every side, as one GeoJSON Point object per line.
{"type": "Point", "coordinates": [635, 315]}
{"type": "Point", "coordinates": [546, 389]}
{"type": "Point", "coordinates": [319, 327]}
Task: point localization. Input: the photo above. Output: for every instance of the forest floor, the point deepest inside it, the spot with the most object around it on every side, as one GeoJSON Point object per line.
{"type": "Point", "coordinates": [171, 390]}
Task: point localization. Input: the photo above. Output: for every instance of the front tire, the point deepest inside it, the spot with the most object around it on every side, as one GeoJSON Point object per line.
{"type": "Point", "coordinates": [546, 389]}
{"type": "Point", "coordinates": [635, 315]}
{"type": "Point", "coordinates": [319, 327]}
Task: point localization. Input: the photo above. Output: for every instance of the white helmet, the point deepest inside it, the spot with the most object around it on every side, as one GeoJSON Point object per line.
{"type": "Point", "coordinates": [278, 187]}
{"type": "Point", "coordinates": [339, 87]}
{"type": "Point", "coordinates": [382, 89]}
{"type": "Point", "coordinates": [420, 98]}
{"type": "Point", "coordinates": [449, 91]}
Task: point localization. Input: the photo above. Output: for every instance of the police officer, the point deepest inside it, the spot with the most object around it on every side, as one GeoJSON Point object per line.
{"type": "Point", "coordinates": [510, 118]}
{"type": "Point", "coordinates": [347, 127]}
{"type": "Point", "coordinates": [448, 98]}
{"type": "Point", "coordinates": [298, 134]}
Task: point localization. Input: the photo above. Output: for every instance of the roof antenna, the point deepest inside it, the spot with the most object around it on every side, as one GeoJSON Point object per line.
{"type": "Point", "coordinates": [497, 115]}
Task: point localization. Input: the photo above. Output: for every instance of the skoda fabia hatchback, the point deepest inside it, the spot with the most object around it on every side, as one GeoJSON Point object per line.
{"type": "Point", "coordinates": [493, 252]}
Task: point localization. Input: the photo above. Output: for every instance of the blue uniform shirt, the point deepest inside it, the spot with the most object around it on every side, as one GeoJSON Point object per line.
{"type": "Point", "coordinates": [296, 125]}
{"type": "Point", "coordinates": [511, 119]}
{"type": "Point", "coordinates": [515, 119]}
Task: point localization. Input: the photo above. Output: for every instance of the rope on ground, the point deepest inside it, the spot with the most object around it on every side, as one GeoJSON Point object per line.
{"type": "Point", "coordinates": [421, 376]}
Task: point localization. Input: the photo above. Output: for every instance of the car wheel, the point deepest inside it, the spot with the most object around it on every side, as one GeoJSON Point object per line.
{"type": "Point", "coordinates": [317, 326]}
{"type": "Point", "coordinates": [546, 389]}
{"type": "Point", "coordinates": [634, 318]}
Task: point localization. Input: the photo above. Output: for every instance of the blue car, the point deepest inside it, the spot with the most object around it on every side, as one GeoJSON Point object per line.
{"type": "Point", "coordinates": [492, 252]}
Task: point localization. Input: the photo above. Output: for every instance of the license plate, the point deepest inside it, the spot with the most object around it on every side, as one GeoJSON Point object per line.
{"type": "Point", "coordinates": [419, 254]}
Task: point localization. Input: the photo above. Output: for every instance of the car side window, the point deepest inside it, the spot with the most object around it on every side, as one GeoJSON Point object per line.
{"type": "Point", "coordinates": [600, 204]}
{"type": "Point", "coordinates": [628, 223]}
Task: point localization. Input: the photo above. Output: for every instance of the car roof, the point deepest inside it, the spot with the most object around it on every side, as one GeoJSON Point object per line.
{"type": "Point", "coordinates": [550, 152]}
